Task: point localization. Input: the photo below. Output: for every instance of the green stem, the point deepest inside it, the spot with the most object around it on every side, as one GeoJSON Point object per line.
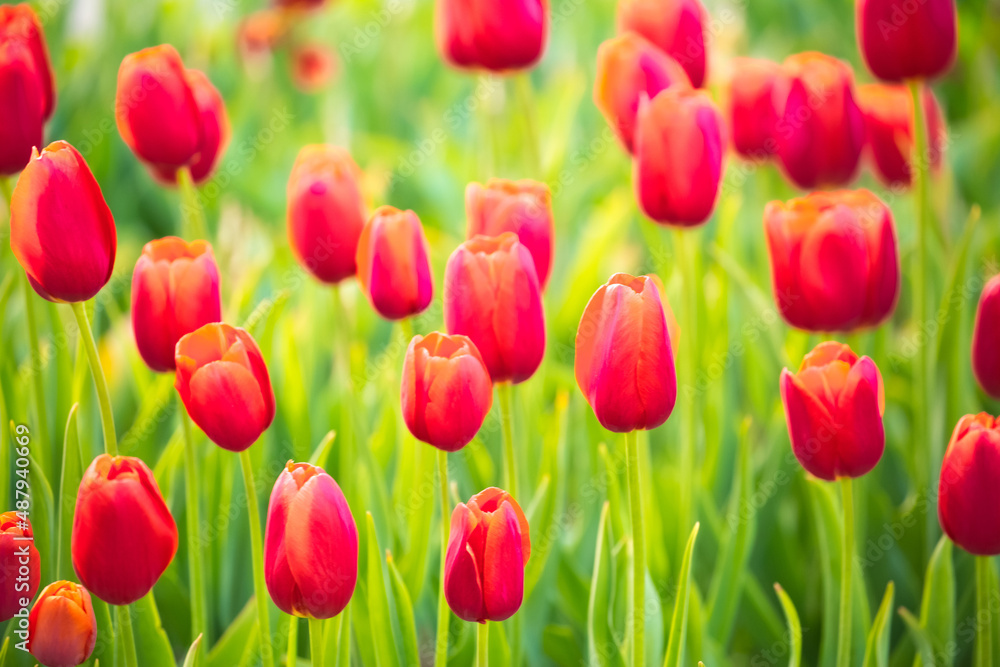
{"type": "Point", "coordinates": [638, 550]}
{"type": "Point", "coordinates": [525, 95]}
{"type": "Point", "coordinates": [195, 572]}
{"type": "Point", "coordinates": [444, 615]}
{"type": "Point", "coordinates": [406, 327]}
{"type": "Point", "coordinates": [483, 645]}
{"type": "Point", "coordinates": [506, 415]}
{"type": "Point", "coordinates": [846, 570]}
{"type": "Point", "coordinates": [293, 642]}
{"type": "Point", "coordinates": [984, 634]}
{"type": "Point", "coordinates": [316, 641]}
{"type": "Point", "coordinates": [36, 372]}
{"type": "Point", "coordinates": [257, 553]}
{"type": "Point", "coordinates": [125, 622]}
{"type": "Point", "coordinates": [192, 215]}
{"type": "Point", "coordinates": [103, 396]}
{"type": "Point", "coordinates": [687, 351]}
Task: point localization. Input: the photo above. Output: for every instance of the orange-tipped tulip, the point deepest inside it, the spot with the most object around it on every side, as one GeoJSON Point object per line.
{"type": "Point", "coordinates": [676, 26]}
{"type": "Point", "coordinates": [487, 551]}
{"type": "Point", "coordinates": [123, 534]}
{"type": "Point", "coordinates": [907, 40]}
{"type": "Point", "coordinates": [27, 94]}
{"type": "Point", "coordinates": [175, 290]}
{"type": "Point", "coordinates": [985, 351]}
{"type": "Point", "coordinates": [224, 384]}
{"type": "Point", "coordinates": [752, 115]}
{"type": "Point", "coordinates": [215, 130]}
{"type": "Point", "coordinates": [888, 112]}
{"type": "Point", "coordinates": [968, 493]}
{"type": "Point", "coordinates": [63, 628]}
{"type": "Point", "coordinates": [393, 263]}
{"type": "Point", "coordinates": [310, 544]}
{"type": "Point", "coordinates": [61, 229]}
{"type": "Point", "coordinates": [497, 35]}
{"type": "Point", "coordinates": [20, 567]}
{"type": "Point", "coordinates": [313, 67]}
{"type": "Point", "coordinates": [491, 295]}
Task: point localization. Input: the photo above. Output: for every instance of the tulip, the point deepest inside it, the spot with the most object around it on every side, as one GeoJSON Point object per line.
{"type": "Point", "coordinates": [888, 112]}
{"type": "Point", "coordinates": [629, 68]}
{"type": "Point", "coordinates": [61, 229]}
{"type": "Point", "coordinates": [215, 131]}
{"type": "Point", "coordinates": [968, 493]}
{"type": "Point", "coordinates": [310, 544]}
{"type": "Point", "coordinates": [326, 212]}
{"type": "Point", "coordinates": [752, 113]}
{"type": "Point", "coordinates": [820, 130]}
{"type": "Point", "coordinates": [676, 26]}
{"type": "Point", "coordinates": [313, 67]}
{"type": "Point", "coordinates": [985, 353]}
{"type": "Point", "coordinates": [224, 384]}
{"type": "Point", "coordinates": [491, 34]}
{"type": "Point", "coordinates": [123, 534]}
{"type": "Point", "coordinates": [298, 5]}
{"type": "Point", "coordinates": [62, 626]}
{"type": "Point", "coordinates": [833, 408]}
{"type": "Point", "coordinates": [492, 296]}
{"type": "Point", "coordinates": [175, 290]}
{"type": "Point", "coordinates": [834, 261]}
{"type": "Point", "coordinates": [20, 567]}
{"type": "Point", "coordinates": [907, 40]}
{"type": "Point", "coordinates": [679, 144]}
{"type": "Point", "coordinates": [19, 23]}
{"type": "Point", "coordinates": [523, 207]}
{"type": "Point", "coordinates": [393, 265]}
{"type": "Point", "coordinates": [260, 33]}
{"type": "Point", "coordinates": [487, 551]}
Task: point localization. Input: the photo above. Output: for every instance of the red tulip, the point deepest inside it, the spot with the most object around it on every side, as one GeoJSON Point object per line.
{"type": "Point", "coordinates": [679, 144]}
{"type": "Point", "coordinates": [676, 26]}
{"type": "Point", "coordinates": [313, 67]}
{"type": "Point", "coordinates": [630, 68]}
{"type": "Point", "coordinates": [175, 290]}
{"type": "Point", "coordinates": [907, 40]}
{"type": "Point", "coordinates": [20, 567]}
{"type": "Point", "coordinates": [833, 408]}
{"type": "Point", "coordinates": [491, 295]}
{"type": "Point", "coordinates": [487, 551]}
{"type": "Point", "coordinates": [63, 628]}
{"type": "Point", "coordinates": [752, 113]}
{"type": "Point", "coordinates": [298, 5]}
{"type": "Point", "coordinates": [968, 493]}
{"type": "Point", "coordinates": [491, 34]}
{"type": "Point", "coordinates": [310, 544]}
{"type": "Point", "coordinates": [26, 86]}
{"type": "Point", "coordinates": [446, 391]}
{"type": "Point", "coordinates": [214, 131]}
{"type": "Point", "coordinates": [123, 535]}
{"type": "Point", "coordinates": [61, 230]}
{"type": "Point", "coordinates": [224, 384]}
{"type": "Point", "coordinates": [834, 262]}
{"type": "Point", "coordinates": [523, 207]}
{"type": "Point", "coordinates": [820, 129]}
{"type": "Point", "coordinates": [19, 23]}
{"type": "Point", "coordinates": [985, 352]}
{"type": "Point", "coordinates": [393, 263]}
{"type": "Point", "coordinates": [326, 211]}
{"type": "Point", "coordinates": [260, 33]}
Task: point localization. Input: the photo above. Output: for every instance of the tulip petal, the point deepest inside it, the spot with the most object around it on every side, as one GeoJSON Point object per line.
{"type": "Point", "coordinates": [503, 565]}
{"type": "Point", "coordinates": [226, 402]}
{"type": "Point", "coordinates": [463, 583]}
{"type": "Point", "coordinates": [811, 428]}
{"type": "Point", "coordinates": [861, 442]}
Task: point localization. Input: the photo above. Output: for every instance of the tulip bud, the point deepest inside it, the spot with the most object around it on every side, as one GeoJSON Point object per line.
{"type": "Point", "coordinates": [62, 628]}
{"type": "Point", "coordinates": [446, 390]}
{"type": "Point", "coordinates": [310, 544]}
{"type": "Point", "coordinates": [175, 290]}
{"type": "Point", "coordinates": [985, 351]}
{"type": "Point", "coordinates": [491, 34]}
{"type": "Point", "coordinates": [751, 107]}
{"type": "Point", "coordinates": [915, 40]}
{"type": "Point", "coordinates": [20, 567]}
{"type": "Point", "coordinates": [523, 207]}
{"type": "Point", "coordinates": [326, 212]}
{"type": "Point", "coordinates": [833, 408]}
{"type": "Point", "coordinates": [224, 384]}
{"type": "Point", "coordinates": [968, 492]}
{"type": "Point", "coordinates": [679, 146]}
{"type": "Point", "coordinates": [61, 230]}
{"type": "Point", "coordinates": [214, 131]}
{"type": "Point", "coordinates": [123, 534]}
{"type": "Point", "coordinates": [676, 26]}
{"type": "Point", "coordinates": [393, 265]}
{"type": "Point", "coordinates": [313, 67]}
{"type": "Point", "coordinates": [834, 261]}
{"type": "Point", "coordinates": [19, 23]}
{"type": "Point", "coordinates": [491, 295]}
{"type": "Point", "coordinates": [488, 548]}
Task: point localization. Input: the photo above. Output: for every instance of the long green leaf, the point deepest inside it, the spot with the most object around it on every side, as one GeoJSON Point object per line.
{"type": "Point", "coordinates": [152, 646]}
{"type": "Point", "coordinates": [877, 648]}
{"type": "Point", "coordinates": [192, 655]}
{"type": "Point", "coordinates": [378, 603]}
{"type": "Point", "coordinates": [404, 613]}
{"type": "Point", "coordinates": [602, 647]}
{"type": "Point", "coordinates": [794, 627]}
{"type": "Point", "coordinates": [678, 624]}
{"type": "Point", "coordinates": [937, 607]}
{"type": "Point", "coordinates": [925, 649]}
{"type": "Point", "coordinates": [69, 483]}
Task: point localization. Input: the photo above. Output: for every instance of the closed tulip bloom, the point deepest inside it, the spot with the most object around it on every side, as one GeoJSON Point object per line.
{"type": "Point", "coordinates": [833, 409]}
{"type": "Point", "coordinates": [393, 263]}
{"type": "Point", "coordinates": [326, 212]}
{"type": "Point", "coordinates": [676, 26]}
{"type": "Point", "coordinates": [629, 68]}
{"type": "Point", "coordinates": [215, 131]}
{"type": "Point", "coordinates": [62, 625]}
{"type": "Point", "coordinates": [834, 262]}
{"type": "Point", "coordinates": [310, 544]}
{"type": "Point", "coordinates": [488, 548]}
{"type": "Point", "coordinates": [224, 384]}
{"type": "Point", "coordinates": [61, 229]}
{"type": "Point", "coordinates": [985, 351]}
{"type": "Point", "coordinates": [175, 290]}
{"type": "Point", "coordinates": [968, 493]}
{"type": "Point", "coordinates": [679, 145]}
{"type": "Point", "coordinates": [888, 112]}
{"type": "Point", "coordinates": [523, 207]}
{"type": "Point", "coordinates": [491, 295]}
{"type": "Point", "coordinates": [491, 34]}
{"type": "Point", "coordinates": [19, 23]}
{"type": "Point", "coordinates": [446, 390]}
{"type": "Point", "coordinates": [752, 114]}
{"type": "Point", "coordinates": [313, 67]}
{"type": "Point", "coordinates": [123, 534]}
{"type": "Point", "coordinates": [20, 567]}
{"type": "Point", "coordinates": [901, 41]}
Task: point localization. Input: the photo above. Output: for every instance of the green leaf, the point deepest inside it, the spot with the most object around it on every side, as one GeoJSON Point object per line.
{"type": "Point", "coordinates": [602, 647]}
{"type": "Point", "coordinates": [937, 607]}
{"type": "Point", "coordinates": [404, 613]}
{"type": "Point", "coordinates": [378, 602]}
{"type": "Point", "coordinates": [678, 624]}
{"type": "Point", "coordinates": [69, 484]}
{"type": "Point", "coordinates": [877, 648]}
{"type": "Point", "coordinates": [192, 655]}
{"type": "Point", "coordinates": [321, 454]}
{"type": "Point", "coordinates": [924, 648]}
{"type": "Point", "coordinates": [828, 542]}
{"type": "Point", "coordinates": [794, 627]}
{"type": "Point", "coordinates": [152, 646]}
{"type": "Point", "coordinates": [104, 647]}
{"type": "Point", "coordinates": [229, 649]}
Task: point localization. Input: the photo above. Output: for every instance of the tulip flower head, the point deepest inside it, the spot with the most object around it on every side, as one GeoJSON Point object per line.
{"type": "Point", "coordinates": [968, 493]}
{"type": "Point", "coordinates": [62, 626]}
{"type": "Point", "coordinates": [487, 34]}
{"type": "Point", "coordinates": [902, 41]}
{"type": "Point", "coordinates": [487, 551]}
{"type": "Point", "coordinates": [313, 67]}
{"type": "Point", "coordinates": [985, 352]}
{"type": "Point", "coordinates": [393, 263]}
{"type": "Point", "coordinates": [20, 566]}
{"type": "Point", "coordinates": [19, 23]}
{"type": "Point", "coordinates": [752, 114]}
{"type": "Point", "coordinates": [676, 26]}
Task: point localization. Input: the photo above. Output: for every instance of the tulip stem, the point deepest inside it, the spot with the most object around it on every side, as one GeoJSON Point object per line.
{"type": "Point", "coordinates": [100, 382]}
{"type": "Point", "coordinates": [36, 372]}
{"type": "Point", "coordinates": [316, 641]}
{"type": "Point", "coordinates": [525, 95]}
{"type": "Point", "coordinates": [257, 553]}
{"type": "Point", "coordinates": [984, 638]}
{"type": "Point", "coordinates": [441, 645]}
{"type": "Point", "coordinates": [293, 641]}
{"type": "Point", "coordinates": [688, 351]}
{"type": "Point", "coordinates": [198, 607]}
{"type": "Point", "coordinates": [506, 417]}
{"type": "Point", "coordinates": [125, 623]}
{"type": "Point", "coordinates": [638, 552]}
{"type": "Point", "coordinates": [846, 570]}
{"type": "Point", "coordinates": [192, 214]}
{"type": "Point", "coordinates": [483, 645]}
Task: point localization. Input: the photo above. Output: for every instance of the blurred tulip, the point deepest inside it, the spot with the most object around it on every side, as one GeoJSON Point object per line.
{"type": "Point", "coordinates": [298, 5]}
{"type": "Point", "coordinates": [26, 86]}
{"type": "Point", "coordinates": [259, 33]}
{"type": "Point", "coordinates": [491, 295]}
{"type": "Point", "coordinates": [968, 493]}
{"type": "Point", "coordinates": [679, 145]}
{"type": "Point", "coordinates": [888, 112]}
{"type": "Point", "coordinates": [833, 409]}
{"type": "Point", "coordinates": [215, 131]}
{"type": "Point", "coordinates": [393, 263]}
{"type": "Point", "coordinates": [310, 544]}
{"type": "Point", "coordinates": [487, 551]}
{"type": "Point", "coordinates": [497, 35]}
{"type": "Point", "coordinates": [123, 534]}
{"type": "Point", "coordinates": [63, 628]}
{"type": "Point", "coordinates": [676, 26]}
{"type": "Point", "coordinates": [19, 23]}
{"type": "Point", "coordinates": [834, 262]}
{"type": "Point", "coordinates": [20, 567]}
{"type": "Point", "coordinates": [624, 361]}
{"type": "Point", "coordinates": [985, 351]}
{"type": "Point", "coordinates": [523, 207]}
{"type": "Point", "coordinates": [752, 114]}
{"type": "Point", "coordinates": [820, 130]}
{"type": "Point", "coordinates": [313, 67]}
{"type": "Point", "coordinates": [908, 40]}
{"type": "Point", "coordinates": [224, 384]}
{"type": "Point", "coordinates": [630, 68]}
{"type": "Point", "coordinates": [175, 290]}
{"type": "Point", "coordinates": [61, 230]}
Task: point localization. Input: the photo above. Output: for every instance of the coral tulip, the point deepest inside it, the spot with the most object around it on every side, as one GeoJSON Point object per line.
{"type": "Point", "coordinates": [676, 26]}
{"type": "Point", "coordinates": [20, 567]}
{"type": "Point", "coordinates": [907, 40]}
{"type": "Point", "coordinates": [888, 112]}
{"type": "Point", "coordinates": [63, 628]}
{"type": "Point", "coordinates": [985, 352]}
{"type": "Point", "coordinates": [260, 33]}
{"type": "Point", "coordinates": [215, 131]}
{"type": "Point", "coordinates": [752, 114]}
{"type": "Point", "coordinates": [313, 67]}
{"type": "Point", "coordinates": [492, 35]}
{"type": "Point", "coordinates": [20, 24]}
{"type": "Point", "coordinates": [968, 492]}
{"type": "Point", "coordinates": [393, 263]}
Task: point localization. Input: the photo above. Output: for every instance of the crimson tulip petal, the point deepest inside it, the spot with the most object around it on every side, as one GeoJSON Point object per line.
{"type": "Point", "coordinates": [463, 582]}
{"type": "Point", "coordinates": [968, 486]}
{"type": "Point", "coordinates": [811, 428]}
{"type": "Point", "coordinates": [503, 569]}
{"type": "Point", "coordinates": [221, 390]}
